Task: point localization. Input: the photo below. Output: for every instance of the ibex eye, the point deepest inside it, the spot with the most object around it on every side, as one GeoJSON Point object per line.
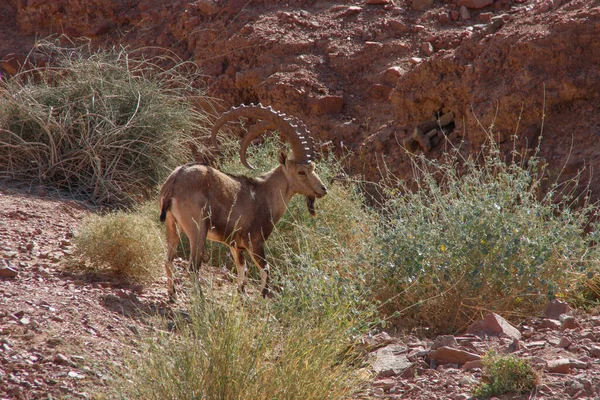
{"type": "Point", "coordinates": [301, 173]}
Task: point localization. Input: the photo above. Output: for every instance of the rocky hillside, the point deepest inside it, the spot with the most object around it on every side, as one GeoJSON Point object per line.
{"type": "Point", "coordinates": [370, 76]}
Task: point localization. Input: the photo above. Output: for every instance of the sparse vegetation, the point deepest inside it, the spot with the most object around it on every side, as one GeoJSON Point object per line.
{"type": "Point", "coordinates": [127, 245]}
{"type": "Point", "coordinates": [480, 235]}
{"type": "Point", "coordinates": [506, 375]}
{"type": "Point", "coordinates": [294, 347]}
{"type": "Point", "coordinates": [104, 125]}
{"type": "Point", "coordinates": [241, 349]}
{"type": "Point", "coordinates": [480, 239]}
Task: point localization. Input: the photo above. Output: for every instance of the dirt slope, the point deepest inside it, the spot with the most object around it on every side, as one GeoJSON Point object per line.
{"type": "Point", "coordinates": [59, 333]}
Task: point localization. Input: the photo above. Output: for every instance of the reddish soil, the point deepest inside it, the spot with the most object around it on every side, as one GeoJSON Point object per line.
{"type": "Point", "coordinates": [60, 333]}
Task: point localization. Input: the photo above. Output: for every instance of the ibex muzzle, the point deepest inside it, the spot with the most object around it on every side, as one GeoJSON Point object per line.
{"type": "Point", "coordinates": [239, 211]}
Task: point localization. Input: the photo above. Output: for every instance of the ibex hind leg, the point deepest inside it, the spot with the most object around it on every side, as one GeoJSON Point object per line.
{"type": "Point", "coordinates": [172, 241]}
{"type": "Point", "coordinates": [196, 233]}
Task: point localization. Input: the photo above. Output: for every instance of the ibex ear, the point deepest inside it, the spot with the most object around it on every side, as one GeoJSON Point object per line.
{"type": "Point", "coordinates": [282, 156]}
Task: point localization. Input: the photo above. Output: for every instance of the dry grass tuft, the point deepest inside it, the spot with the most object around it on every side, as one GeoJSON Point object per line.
{"type": "Point", "coordinates": [127, 245]}
{"type": "Point", "coordinates": [105, 125]}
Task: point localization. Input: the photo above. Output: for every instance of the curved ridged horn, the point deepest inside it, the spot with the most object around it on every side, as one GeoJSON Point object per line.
{"type": "Point", "coordinates": [291, 129]}
{"type": "Point", "coordinates": [304, 136]}
{"type": "Point", "coordinates": [253, 132]}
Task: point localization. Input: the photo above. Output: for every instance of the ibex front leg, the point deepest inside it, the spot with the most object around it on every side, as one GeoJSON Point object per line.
{"type": "Point", "coordinates": [258, 256]}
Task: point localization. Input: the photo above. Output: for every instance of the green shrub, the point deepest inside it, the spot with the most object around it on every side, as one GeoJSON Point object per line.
{"type": "Point", "coordinates": [479, 235]}
{"type": "Point", "coordinates": [105, 125]}
{"type": "Point", "coordinates": [125, 244]}
{"type": "Point", "coordinates": [506, 375]}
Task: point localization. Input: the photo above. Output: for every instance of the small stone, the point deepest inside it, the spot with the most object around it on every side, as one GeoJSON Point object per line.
{"type": "Point", "coordinates": [444, 18]}
{"type": "Point", "coordinates": [392, 74]}
{"type": "Point", "coordinates": [564, 365]}
{"type": "Point", "coordinates": [427, 48]}
{"type": "Point", "coordinates": [390, 361]}
{"type": "Point", "coordinates": [454, 15]}
{"type": "Point", "coordinates": [538, 343]}
{"type": "Point", "coordinates": [61, 359]}
{"type": "Point", "coordinates": [76, 375]}
{"type": "Point", "coordinates": [415, 60]}
{"type": "Point", "coordinates": [349, 11]}
{"type": "Point", "coordinates": [559, 366]}
{"type": "Point", "coordinates": [568, 322]}
{"type": "Point", "coordinates": [494, 324]}
{"type": "Point", "coordinates": [471, 365]}
{"type": "Point", "coordinates": [464, 13]}
{"type": "Point", "coordinates": [556, 308]}
{"type": "Point", "coordinates": [595, 351]}
{"type": "Point", "coordinates": [446, 119]}
{"type": "Point", "coordinates": [549, 324]}
{"type": "Point", "coordinates": [421, 5]}
{"type": "Point", "coordinates": [485, 17]}
{"type": "Point", "coordinates": [208, 7]}
{"type": "Point", "coordinates": [564, 343]}
{"type": "Point", "coordinates": [444, 340]}
{"type": "Point", "coordinates": [475, 4]}
{"type": "Point", "coordinates": [8, 272]}
{"type": "Point", "coordinates": [448, 355]}
{"type": "Point", "coordinates": [397, 25]}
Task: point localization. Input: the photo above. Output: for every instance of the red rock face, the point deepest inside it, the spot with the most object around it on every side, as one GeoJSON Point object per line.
{"type": "Point", "coordinates": [351, 70]}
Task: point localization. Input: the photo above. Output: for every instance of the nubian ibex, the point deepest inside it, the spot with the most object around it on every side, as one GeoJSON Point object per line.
{"type": "Point", "coordinates": [239, 211]}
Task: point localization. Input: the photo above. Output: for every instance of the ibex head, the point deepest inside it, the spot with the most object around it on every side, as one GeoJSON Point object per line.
{"type": "Point", "coordinates": [299, 167]}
